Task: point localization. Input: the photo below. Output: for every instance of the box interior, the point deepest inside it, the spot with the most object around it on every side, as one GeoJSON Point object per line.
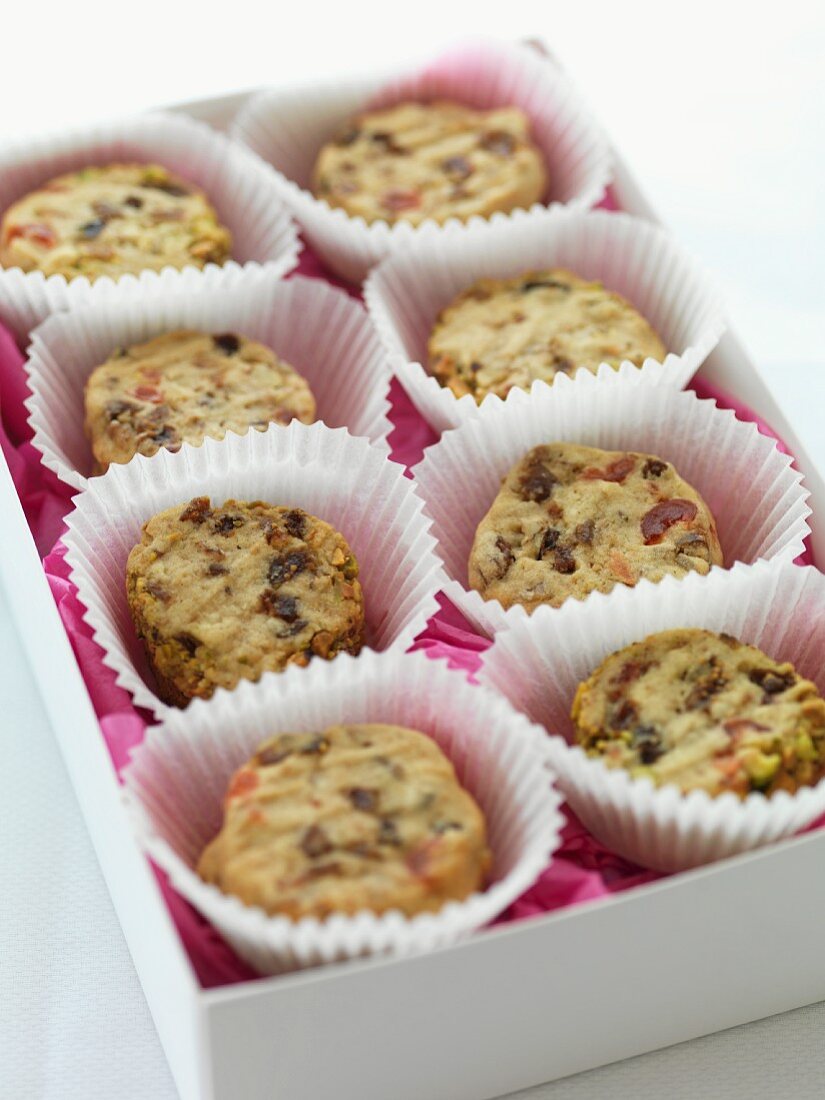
{"type": "Point", "coordinates": [161, 960]}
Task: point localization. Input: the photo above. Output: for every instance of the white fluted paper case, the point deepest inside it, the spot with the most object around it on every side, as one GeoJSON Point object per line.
{"type": "Point", "coordinates": [287, 128]}
{"type": "Point", "coordinates": [322, 332]}
{"type": "Point", "coordinates": [756, 496]}
{"type": "Point", "coordinates": [327, 472]}
{"type": "Point", "coordinates": [630, 256]}
{"type": "Point", "coordinates": [237, 185]}
{"type": "Point", "coordinates": [777, 606]}
{"type": "Point", "coordinates": [177, 779]}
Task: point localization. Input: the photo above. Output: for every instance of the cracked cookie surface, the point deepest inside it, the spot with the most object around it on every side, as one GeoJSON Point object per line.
{"type": "Point", "coordinates": [439, 160]}
{"type": "Point", "coordinates": [569, 520]}
{"type": "Point", "coordinates": [505, 333]}
{"type": "Point", "coordinates": [354, 817]}
{"type": "Point", "coordinates": [183, 386]}
{"type": "Point", "coordinates": [224, 593]}
{"type": "Point", "coordinates": [112, 220]}
{"type": "Point", "coordinates": [703, 711]}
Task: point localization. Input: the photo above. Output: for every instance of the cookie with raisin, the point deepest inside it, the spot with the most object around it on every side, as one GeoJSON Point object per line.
{"type": "Point", "coordinates": [114, 220]}
{"type": "Point", "coordinates": [183, 386]}
{"type": "Point", "coordinates": [570, 520]}
{"type": "Point", "coordinates": [351, 818]}
{"type": "Point", "coordinates": [504, 333]}
{"type": "Point", "coordinates": [703, 711]}
{"type": "Point", "coordinates": [417, 161]}
{"type": "Point", "coordinates": [226, 592]}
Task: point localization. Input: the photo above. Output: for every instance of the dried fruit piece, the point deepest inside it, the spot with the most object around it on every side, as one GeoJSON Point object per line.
{"type": "Point", "coordinates": [295, 523]}
{"type": "Point", "coordinates": [663, 515]}
{"type": "Point", "coordinates": [654, 467]}
{"type": "Point", "coordinates": [400, 199]}
{"type": "Point", "coordinates": [197, 510]}
{"type": "Point", "coordinates": [500, 142]}
{"type": "Point", "coordinates": [228, 342]}
{"type": "Point", "coordinates": [548, 541]}
{"type": "Point", "coordinates": [563, 560]}
{"type": "Point", "coordinates": [227, 523]}
{"type": "Point", "coordinates": [364, 799]}
{"type": "Point", "coordinates": [93, 228]}
{"type": "Point", "coordinates": [283, 568]}
{"type": "Point", "coordinates": [34, 231]}
{"type": "Point", "coordinates": [537, 484]}
{"type": "Point", "coordinates": [457, 167]}
{"type": "Point", "coordinates": [771, 681]}
{"type": "Point", "coordinates": [618, 470]}
{"type": "Point", "coordinates": [315, 842]}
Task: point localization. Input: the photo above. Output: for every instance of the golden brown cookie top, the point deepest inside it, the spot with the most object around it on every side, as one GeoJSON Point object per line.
{"type": "Point", "coordinates": [349, 818]}
{"type": "Point", "coordinates": [112, 220]}
{"type": "Point", "coordinates": [225, 592]}
{"type": "Point", "coordinates": [183, 386]}
{"type": "Point", "coordinates": [439, 160]}
{"type": "Point", "coordinates": [703, 711]}
{"type": "Point", "coordinates": [501, 333]}
{"type": "Point", "coordinates": [569, 520]}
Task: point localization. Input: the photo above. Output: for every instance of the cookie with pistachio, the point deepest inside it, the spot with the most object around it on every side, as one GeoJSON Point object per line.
{"type": "Point", "coordinates": [416, 161]}
{"type": "Point", "coordinates": [570, 520]}
{"type": "Point", "coordinates": [183, 386]}
{"type": "Point", "coordinates": [113, 220]}
{"type": "Point", "coordinates": [504, 333]}
{"type": "Point", "coordinates": [703, 711]}
{"type": "Point", "coordinates": [225, 593]}
{"type": "Point", "coordinates": [351, 818]}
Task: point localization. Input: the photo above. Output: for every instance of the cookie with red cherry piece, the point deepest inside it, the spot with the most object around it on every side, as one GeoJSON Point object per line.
{"type": "Point", "coordinates": [227, 592]}
{"type": "Point", "coordinates": [351, 818]}
{"type": "Point", "coordinates": [184, 386]}
{"type": "Point", "coordinates": [113, 220]}
{"type": "Point", "coordinates": [570, 520]}
{"type": "Point", "coordinates": [501, 333]}
{"type": "Point", "coordinates": [417, 161]}
{"type": "Point", "coordinates": [703, 711]}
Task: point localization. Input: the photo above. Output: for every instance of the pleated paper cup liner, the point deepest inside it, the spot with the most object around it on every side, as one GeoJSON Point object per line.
{"type": "Point", "coordinates": [236, 184]}
{"type": "Point", "coordinates": [327, 472]}
{"type": "Point", "coordinates": [630, 256]}
{"type": "Point", "coordinates": [178, 777]}
{"type": "Point", "coordinates": [777, 606]}
{"type": "Point", "coordinates": [320, 331]}
{"type": "Point", "coordinates": [287, 128]}
{"type": "Point", "coordinates": [753, 491]}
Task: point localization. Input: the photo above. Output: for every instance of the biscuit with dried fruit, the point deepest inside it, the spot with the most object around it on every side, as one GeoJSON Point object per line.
{"type": "Point", "coordinates": [504, 333]}
{"type": "Point", "coordinates": [570, 520]}
{"type": "Point", "coordinates": [350, 818]}
{"type": "Point", "coordinates": [417, 161]}
{"type": "Point", "coordinates": [703, 711]}
{"type": "Point", "coordinates": [226, 592]}
{"type": "Point", "coordinates": [114, 220]}
{"type": "Point", "coordinates": [184, 386]}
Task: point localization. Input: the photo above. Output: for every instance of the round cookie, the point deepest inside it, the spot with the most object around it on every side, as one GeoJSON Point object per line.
{"type": "Point", "coordinates": [356, 817]}
{"type": "Point", "coordinates": [569, 520]}
{"type": "Point", "coordinates": [112, 220]}
{"type": "Point", "coordinates": [226, 593]}
{"type": "Point", "coordinates": [703, 711]}
{"type": "Point", "coordinates": [501, 333]}
{"type": "Point", "coordinates": [438, 160]}
{"type": "Point", "coordinates": [183, 386]}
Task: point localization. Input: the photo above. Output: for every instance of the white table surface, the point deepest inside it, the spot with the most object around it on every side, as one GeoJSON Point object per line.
{"type": "Point", "coordinates": [719, 113]}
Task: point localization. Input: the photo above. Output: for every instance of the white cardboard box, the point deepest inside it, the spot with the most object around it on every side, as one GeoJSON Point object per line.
{"type": "Point", "coordinates": [525, 1003]}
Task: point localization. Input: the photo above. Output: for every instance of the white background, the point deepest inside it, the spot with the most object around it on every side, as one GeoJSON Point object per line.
{"type": "Point", "coordinates": [719, 108]}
